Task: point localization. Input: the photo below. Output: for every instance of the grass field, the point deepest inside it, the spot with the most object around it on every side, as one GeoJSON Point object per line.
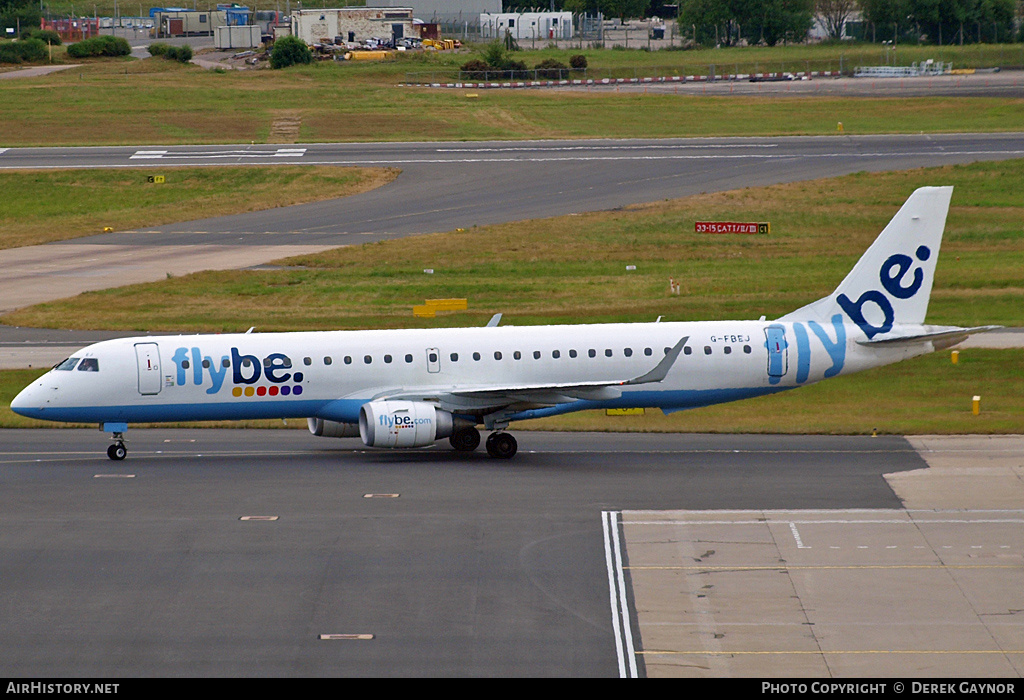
{"type": "Point", "coordinates": [162, 102]}
{"type": "Point", "coordinates": [51, 205]}
{"type": "Point", "coordinates": [572, 269]}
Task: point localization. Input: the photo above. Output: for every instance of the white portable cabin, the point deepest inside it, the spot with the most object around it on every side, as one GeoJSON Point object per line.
{"type": "Point", "coordinates": [527, 25]}
{"type": "Point", "coordinates": [245, 37]}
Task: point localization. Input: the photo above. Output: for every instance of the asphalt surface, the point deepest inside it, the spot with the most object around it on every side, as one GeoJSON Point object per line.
{"type": "Point", "coordinates": [444, 186]}
{"type": "Point", "coordinates": [461, 565]}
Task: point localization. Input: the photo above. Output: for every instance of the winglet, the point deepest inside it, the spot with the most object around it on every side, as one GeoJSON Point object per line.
{"type": "Point", "coordinates": [495, 320]}
{"type": "Point", "coordinates": [662, 368]}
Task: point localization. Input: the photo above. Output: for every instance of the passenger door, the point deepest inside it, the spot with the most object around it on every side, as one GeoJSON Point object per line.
{"type": "Point", "coordinates": [148, 357]}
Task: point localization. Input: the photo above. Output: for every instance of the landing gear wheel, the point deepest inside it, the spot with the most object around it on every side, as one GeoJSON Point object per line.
{"type": "Point", "coordinates": [501, 445]}
{"type": "Point", "coordinates": [117, 451]}
{"type": "Point", "coordinates": [465, 439]}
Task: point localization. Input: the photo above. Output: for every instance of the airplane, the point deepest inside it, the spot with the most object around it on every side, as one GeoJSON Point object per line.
{"type": "Point", "coordinates": [410, 388]}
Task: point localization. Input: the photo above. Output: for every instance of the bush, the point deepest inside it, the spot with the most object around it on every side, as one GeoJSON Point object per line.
{"type": "Point", "coordinates": [9, 52]}
{"type": "Point", "coordinates": [181, 54]}
{"type": "Point", "coordinates": [475, 69]}
{"type": "Point", "coordinates": [158, 48]}
{"type": "Point", "coordinates": [578, 62]}
{"type": "Point", "coordinates": [289, 51]}
{"type": "Point", "coordinates": [552, 69]}
{"type": "Point", "coordinates": [100, 46]}
{"type": "Point", "coordinates": [47, 36]}
{"type": "Point", "coordinates": [31, 50]}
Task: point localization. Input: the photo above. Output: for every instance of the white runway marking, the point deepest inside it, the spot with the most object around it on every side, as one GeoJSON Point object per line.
{"type": "Point", "coordinates": [617, 592]}
{"type": "Point", "coordinates": [166, 155]}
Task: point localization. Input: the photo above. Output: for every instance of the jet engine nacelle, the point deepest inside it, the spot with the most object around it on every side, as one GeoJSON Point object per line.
{"type": "Point", "coordinates": [403, 423]}
{"type": "Point", "coordinates": [333, 429]}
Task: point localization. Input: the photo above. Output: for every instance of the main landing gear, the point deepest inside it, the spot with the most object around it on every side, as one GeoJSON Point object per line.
{"type": "Point", "coordinates": [500, 445]}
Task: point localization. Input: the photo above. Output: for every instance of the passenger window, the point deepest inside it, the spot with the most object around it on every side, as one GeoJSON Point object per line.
{"type": "Point", "coordinates": [608, 352]}
{"type": "Point", "coordinates": [592, 352]}
{"type": "Point", "coordinates": [728, 350]}
{"type": "Point", "coordinates": [387, 359]}
{"type": "Point", "coordinates": [348, 360]}
{"type": "Point", "coordinates": [476, 356]}
{"type": "Point", "coordinates": [206, 364]}
{"type": "Point", "coordinates": [687, 350]}
{"type": "Point", "coordinates": [305, 360]}
{"type": "Point", "coordinates": [746, 349]}
{"type": "Point", "coordinates": [225, 362]}
{"type": "Point", "coordinates": [497, 355]}
{"type": "Point", "coordinates": [408, 359]}
{"type": "Point", "coordinates": [185, 364]}
{"type": "Point", "coordinates": [367, 359]}
{"type": "Point", "coordinates": [328, 360]}
{"type": "Point", "coordinates": [707, 349]}
{"type": "Point", "coordinates": [89, 364]}
{"type": "Point", "coordinates": [517, 355]}
{"type": "Point", "coordinates": [455, 357]}
{"type": "Point", "coordinates": [536, 354]}
{"type": "Point", "coordinates": [572, 353]}
{"type": "Point", "coordinates": [628, 352]}
{"type": "Point", "coordinates": [556, 354]}
{"type": "Point", "coordinates": [432, 357]}
{"type": "Point", "coordinates": [67, 365]}
{"type": "Point", "coordinates": [648, 352]}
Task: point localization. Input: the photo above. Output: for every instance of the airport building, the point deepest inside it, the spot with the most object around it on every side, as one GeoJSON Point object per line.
{"type": "Point", "coordinates": [353, 24]}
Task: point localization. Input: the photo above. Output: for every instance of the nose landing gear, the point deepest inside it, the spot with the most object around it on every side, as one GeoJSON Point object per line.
{"type": "Point", "coordinates": [116, 451]}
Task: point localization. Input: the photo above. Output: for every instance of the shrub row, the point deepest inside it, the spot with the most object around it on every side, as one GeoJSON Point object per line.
{"type": "Point", "coordinates": [181, 54]}
{"type": "Point", "coordinates": [500, 66]}
{"type": "Point", "coordinates": [30, 50]}
{"type": "Point", "coordinates": [100, 46]}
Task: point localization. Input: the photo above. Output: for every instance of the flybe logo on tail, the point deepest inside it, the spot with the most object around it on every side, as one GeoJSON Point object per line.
{"type": "Point", "coordinates": [892, 275]}
{"type": "Point", "coordinates": [244, 369]}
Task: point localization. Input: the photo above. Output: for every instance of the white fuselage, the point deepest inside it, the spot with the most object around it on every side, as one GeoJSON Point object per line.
{"type": "Point", "coordinates": [468, 371]}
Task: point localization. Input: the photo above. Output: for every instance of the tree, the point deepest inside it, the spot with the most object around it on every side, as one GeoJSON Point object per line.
{"type": "Point", "coordinates": [623, 9]}
{"type": "Point", "coordinates": [725, 21]}
{"type": "Point", "coordinates": [288, 51]}
{"type": "Point", "coordinates": [834, 14]}
{"type": "Point", "coordinates": [18, 12]}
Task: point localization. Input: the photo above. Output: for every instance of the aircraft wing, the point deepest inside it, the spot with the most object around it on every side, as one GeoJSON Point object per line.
{"type": "Point", "coordinates": [496, 396]}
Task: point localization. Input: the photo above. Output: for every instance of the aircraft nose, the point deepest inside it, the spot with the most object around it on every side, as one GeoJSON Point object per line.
{"type": "Point", "coordinates": [30, 401]}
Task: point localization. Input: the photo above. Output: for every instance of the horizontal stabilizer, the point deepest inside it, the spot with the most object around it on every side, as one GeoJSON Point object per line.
{"type": "Point", "coordinates": [941, 336]}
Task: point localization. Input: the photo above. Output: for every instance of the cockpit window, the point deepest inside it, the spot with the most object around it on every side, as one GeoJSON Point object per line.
{"type": "Point", "coordinates": [89, 364]}
{"type": "Point", "coordinates": [67, 365]}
